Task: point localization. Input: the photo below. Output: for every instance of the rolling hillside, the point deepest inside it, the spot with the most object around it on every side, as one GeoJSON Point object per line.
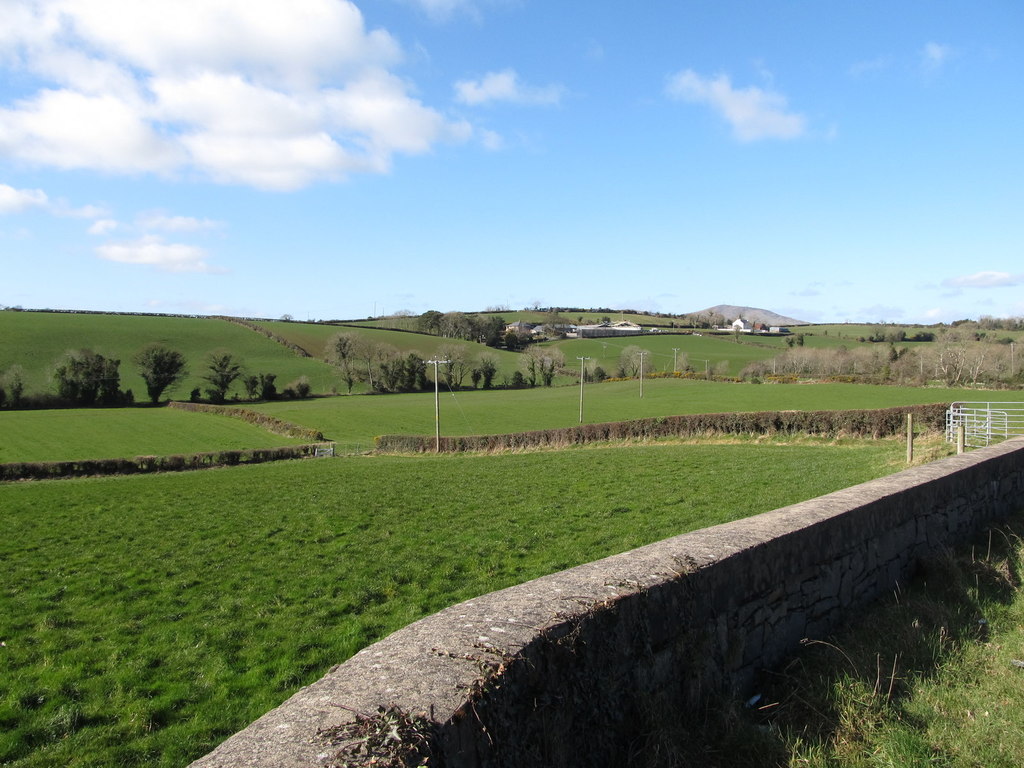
{"type": "Point", "coordinates": [37, 340]}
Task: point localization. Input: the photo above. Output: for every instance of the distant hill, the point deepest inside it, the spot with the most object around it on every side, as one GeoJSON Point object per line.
{"type": "Point", "coordinates": [750, 314]}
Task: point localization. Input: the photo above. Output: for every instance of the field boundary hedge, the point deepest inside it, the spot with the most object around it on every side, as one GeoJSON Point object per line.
{"type": "Point", "coordinates": [876, 423]}
{"type": "Point", "coordinates": [182, 462]}
{"type": "Point", "coordinates": [269, 423]}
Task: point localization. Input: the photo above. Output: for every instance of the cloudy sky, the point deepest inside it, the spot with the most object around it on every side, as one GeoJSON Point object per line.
{"type": "Point", "coordinates": [332, 159]}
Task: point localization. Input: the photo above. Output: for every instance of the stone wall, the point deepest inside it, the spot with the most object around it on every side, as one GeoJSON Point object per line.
{"type": "Point", "coordinates": [568, 669]}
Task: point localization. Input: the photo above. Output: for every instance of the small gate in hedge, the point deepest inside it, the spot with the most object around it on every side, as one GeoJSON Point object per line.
{"type": "Point", "coordinates": [984, 423]}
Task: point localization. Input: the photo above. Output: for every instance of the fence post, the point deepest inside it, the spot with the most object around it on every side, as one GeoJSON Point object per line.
{"type": "Point", "coordinates": [961, 438]}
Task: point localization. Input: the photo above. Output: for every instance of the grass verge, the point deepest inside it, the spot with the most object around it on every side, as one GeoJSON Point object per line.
{"type": "Point", "coordinates": [933, 676]}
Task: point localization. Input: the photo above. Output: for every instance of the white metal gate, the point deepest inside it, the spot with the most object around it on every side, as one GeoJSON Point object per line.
{"type": "Point", "coordinates": [984, 423]}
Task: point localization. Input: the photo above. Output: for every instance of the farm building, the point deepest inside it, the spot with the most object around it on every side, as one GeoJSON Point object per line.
{"type": "Point", "coordinates": [624, 328]}
{"type": "Point", "coordinates": [521, 327]}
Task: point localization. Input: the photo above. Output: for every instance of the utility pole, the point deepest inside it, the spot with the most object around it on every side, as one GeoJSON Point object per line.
{"type": "Point", "coordinates": [675, 352]}
{"type": "Point", "coordinates": [583, 375]}
{"type": "Point", "coordinates": [1012, 345]}
{"type": "Point", "coordinates": [437, 405]}
{"type": "Point", "coordinates": [642, 353]}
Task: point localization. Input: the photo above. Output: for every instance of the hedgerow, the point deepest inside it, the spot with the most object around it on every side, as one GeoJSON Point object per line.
{"type": "Point", "coordinates": [269, 423]}
{"type": "Point", "coordinates": [51, 470]}
{"type": "Point", "coordinates": [855, 423]}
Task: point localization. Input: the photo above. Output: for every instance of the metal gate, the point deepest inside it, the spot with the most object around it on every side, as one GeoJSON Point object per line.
{"type": "Point", "coordinates": [984, 423]}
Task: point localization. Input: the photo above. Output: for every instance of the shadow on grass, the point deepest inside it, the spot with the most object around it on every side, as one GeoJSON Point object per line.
{"type": "Point", "coordinates": [817, 708]}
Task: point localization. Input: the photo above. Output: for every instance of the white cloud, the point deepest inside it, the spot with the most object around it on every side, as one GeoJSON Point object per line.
{"type": "Point", "coordinates": [505, 86]}
{"type": "Point", "coordinates": [103, 227]}
{"type": "Point", "coordinates": [17, 200]}
{"type": "Point", "coordinates": [259, 92]}
{"type": "Point", "coordinates": [752, 112]}
{"type": "Point", "coordinates": [491, 140]}
{"type": "Point", "coordinates": [985, 280]}
{"type": "Point", "coordinates": [161, 221]}
{"type": "Point", "coordinates": [152, 251]}
{"type": "Point", "coordinates": [934, 55]}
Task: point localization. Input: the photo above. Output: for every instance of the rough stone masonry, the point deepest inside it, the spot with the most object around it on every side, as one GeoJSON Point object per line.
{"type": "Point", "coordinates": [563, 670]}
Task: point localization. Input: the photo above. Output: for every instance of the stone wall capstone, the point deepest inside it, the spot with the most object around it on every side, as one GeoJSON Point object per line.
{"type": "Point", "coordinates": [568, 669]}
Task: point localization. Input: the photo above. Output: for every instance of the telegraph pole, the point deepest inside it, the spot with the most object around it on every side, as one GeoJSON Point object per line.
{"type": "Point", "coordinates": [675, 352]}
{"type": "Point", "coordinates": [437, 405]}
{"type": "Point", "coordinates": [642, 353]}
{"type": "Point", "coordinates": [583, 375]}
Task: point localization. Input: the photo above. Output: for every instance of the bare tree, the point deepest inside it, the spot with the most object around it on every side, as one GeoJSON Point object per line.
{"type": "Point", "coordinates": [458, 365]}
{"type": "Point", "coordinates": [343, 351]}
{"type": "Point", "coordinates": [542, 363]}
{"type": "Point", "coordinates": [630, 360]}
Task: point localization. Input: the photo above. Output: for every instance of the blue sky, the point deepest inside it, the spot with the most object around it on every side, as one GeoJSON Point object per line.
{"type": "Point", "coordinates": [830, 161]}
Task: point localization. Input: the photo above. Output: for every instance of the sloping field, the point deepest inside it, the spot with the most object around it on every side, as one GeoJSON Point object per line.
{"type": "Point", "coordinates": [37, 340]}
{"type": "Point", "coordinates": [531, 316]}
{"type": "Point", "coordinates": [479, 413]}
{"type": "Point", "coordinates": [144, 619]}
{"type": "Point", "coordinates": [701, 352]}
{"type": "Point", "coordinates": [314, 337]}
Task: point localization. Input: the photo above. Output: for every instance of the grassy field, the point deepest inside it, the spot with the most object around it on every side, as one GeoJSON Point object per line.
{"type": "Point", "coordinates": [703, 352]}
{"type": "Point", "coordinates": [144, 619]}
{"type": "Point", "coordinates": [495, 412]}
{"type": "Point", "coordinates": [108, 433]}
{"type": "Point", "coordinates": [355, 421]}
{"type": "Point", "coordinates": [37, 340]}
{"type": "Point", "coordinates": [313, 338]}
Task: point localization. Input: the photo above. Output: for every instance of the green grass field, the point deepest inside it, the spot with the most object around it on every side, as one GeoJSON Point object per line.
{"type": "Point", "coordinates": [37, 340]}
{"type": "Point", "coordinates": [109, 433]}
{"type": "Point", "coordinates": [313, 338]}
{"type": "Point", "coordinates": [495, 412]}
{"type": "Point", "coordinates": [144, 619]}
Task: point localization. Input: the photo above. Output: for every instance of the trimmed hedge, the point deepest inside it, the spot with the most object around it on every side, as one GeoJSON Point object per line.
{"type": "Point", "coordinates": [266, 332]}
{"type": "Point", "coordinates": [858, 423]}
{"type": "Point", "coordinates": [269, 423]}
{"type": "Point", "coordinates": [50, 470]}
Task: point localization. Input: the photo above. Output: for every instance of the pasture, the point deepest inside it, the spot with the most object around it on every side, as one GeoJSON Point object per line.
{"type": "Point", "coordinates": [313, 338]}
{"type": "Point", "coordinates": [145, 618]}
{"type": "Point", "coordinates": [499, 411]}
{"type": "Point", "coordinates": [37, 340]}
{"type": "Point", "coordinates": [107, 433]}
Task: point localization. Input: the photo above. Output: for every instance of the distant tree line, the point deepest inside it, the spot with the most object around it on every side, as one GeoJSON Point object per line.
{"type": "Point", "coordinates": [83, 378]}
{"type": "Point", "coordinates": [952, 362]}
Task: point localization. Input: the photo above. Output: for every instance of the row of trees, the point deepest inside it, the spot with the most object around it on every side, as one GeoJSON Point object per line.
{"type": "Point", "coordinates": [84, 378]}
{"type": "Point", "coordinates": [385, 369]}
{"type": "Point", "coordinates": [954, 364]}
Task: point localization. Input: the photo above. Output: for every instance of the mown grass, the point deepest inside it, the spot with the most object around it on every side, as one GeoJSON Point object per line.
{"type": "Point", "coordinates": [38, 340]}
{"type": "Point", "coordinates": [495, 412]}
{"type": "Point", "coordinates": [107, 433]}
{"type": "Point", "coordinates": [144, 619]}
